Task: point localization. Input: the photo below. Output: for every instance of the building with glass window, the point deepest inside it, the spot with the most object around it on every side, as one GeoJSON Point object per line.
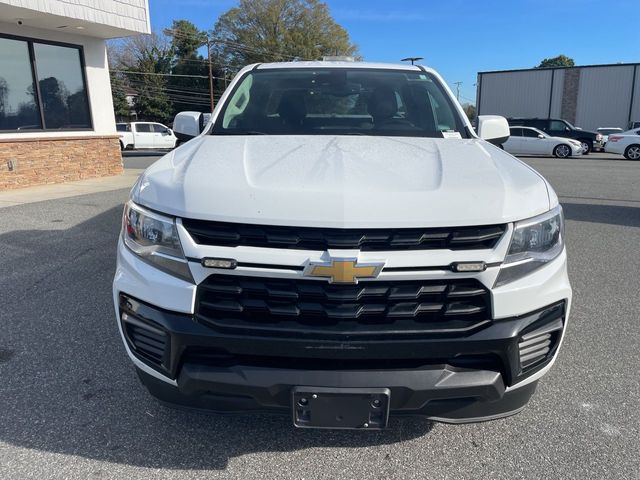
{"type": "Point", "coordinates": [56, 111]}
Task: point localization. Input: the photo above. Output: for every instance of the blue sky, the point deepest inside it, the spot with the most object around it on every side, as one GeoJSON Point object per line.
{"type": "Point", "coordinates": [460, 38]}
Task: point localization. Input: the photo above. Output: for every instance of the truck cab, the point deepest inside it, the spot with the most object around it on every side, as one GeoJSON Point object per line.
{"type": "Point", "coordinates": [145, 135]}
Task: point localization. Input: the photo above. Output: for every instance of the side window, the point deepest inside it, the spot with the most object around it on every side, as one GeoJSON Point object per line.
{"type": "Point", "coordinates": [143, 128]}
{"type": "Point", "coordinates": [516, 132]}
{"type": "Point", "coordinates": [159, 128]}
{"type": "Point", "coordinates": [527, 132]}
{"type": "Point", "coordinates": [557, 126]}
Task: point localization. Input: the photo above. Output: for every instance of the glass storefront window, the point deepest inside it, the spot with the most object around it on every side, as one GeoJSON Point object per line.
{"type": "Point", "coordinates": [58, 102]}
{"type": "Point", "coordinates": [18, 105]}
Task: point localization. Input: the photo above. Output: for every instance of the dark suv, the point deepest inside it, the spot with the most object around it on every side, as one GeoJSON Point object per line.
{"type": "Point", "coordinates": [561, 128]}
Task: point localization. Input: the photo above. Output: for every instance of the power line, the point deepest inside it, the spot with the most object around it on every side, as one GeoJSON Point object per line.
{"type": "Point", "coordinates": [161, 74]}
{"type": "Point", "coordinates": [194, 92]}
{"type": "Point", "coordinates": [170, 95]}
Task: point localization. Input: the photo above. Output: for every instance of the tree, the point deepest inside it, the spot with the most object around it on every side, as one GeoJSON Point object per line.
{"type": "Point", "coordinates": [559, 61]}
{"type": "Point", "coordinates": [470, 110]}
{"type": "Point", "coordinates": [276, 30]}
{"type": "Point", "coordinates": [119, 87]}
{"type": "Point", "coordinates": [147, 58]}
{"type": "Point", "coordinates": [186, 39]}
{"type": "Point", "coordinates": [54, 94]}
{"type": "Point", "coordinates": [4, 92]}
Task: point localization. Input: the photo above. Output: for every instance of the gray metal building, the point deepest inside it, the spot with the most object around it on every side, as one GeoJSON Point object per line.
{"type": "Point", "coordinates": [589, 97]}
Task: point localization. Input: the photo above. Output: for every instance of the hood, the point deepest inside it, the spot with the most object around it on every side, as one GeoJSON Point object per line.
{"type": "Point", "coordinates": [565, 139]}
{"type": "Point", "coordinates": [343, 181]}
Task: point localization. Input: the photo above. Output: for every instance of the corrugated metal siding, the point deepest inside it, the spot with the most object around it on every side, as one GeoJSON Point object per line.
{"type": "Point", "coordinates": [516, 93]}
{"type": "Point", "coordinates": [635, 108]}
{"type": "Point", "coordinates": [132, 15]}
{"type": "Point", "coordinates": [556, 101]}
{"type": "Point", "coordinates": [604, 97]}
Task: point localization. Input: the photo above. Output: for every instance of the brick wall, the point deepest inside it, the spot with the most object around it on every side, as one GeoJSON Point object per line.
{"type": "Point", "coordinates": [570, 94]}
{"type": "Point", "coordinates": [38, 161]}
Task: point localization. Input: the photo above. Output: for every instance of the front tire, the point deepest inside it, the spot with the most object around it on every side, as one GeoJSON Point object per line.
{"type": "Point", "coordinates": [632, 152]}
{"type": "Point", "coordinates": [587, 146]}
{"type": "Point", "coordinates": [562, 151]}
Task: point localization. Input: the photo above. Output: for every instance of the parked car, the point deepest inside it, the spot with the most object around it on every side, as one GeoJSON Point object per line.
{"type": "Point", "coordinates": [606, 131]}
{"type": "Point", "coordinates": [627, 144]}
{"type": "Point", "coordinates": [338, 245]}
{"type": "Point", "coordinates": [633, 125]}
{"type": "Point", "coordinates": [531, 141]}
{"type": "Point", "coordinates": [561, 128]}
{"type": "Point", "coordinates": [145, 135]}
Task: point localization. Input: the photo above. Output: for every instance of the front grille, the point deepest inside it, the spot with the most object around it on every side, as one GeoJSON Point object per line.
{"type": "Point", "coordinates": [291, 307]}
{"type": "Point", "coordinates": [309, 238]}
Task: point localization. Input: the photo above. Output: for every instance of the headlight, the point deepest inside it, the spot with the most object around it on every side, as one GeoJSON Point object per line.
{"type": "Point", "coordinates": [154, 238]}
{"type": "Point", "coordinates": [534, 243]}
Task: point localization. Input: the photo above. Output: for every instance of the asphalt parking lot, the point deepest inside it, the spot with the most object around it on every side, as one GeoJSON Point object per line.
{"type": "Point", "coordinates": [72, 406]}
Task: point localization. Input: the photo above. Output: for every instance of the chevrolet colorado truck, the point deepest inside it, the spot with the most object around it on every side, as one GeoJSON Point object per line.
{"type": "Point", "coordinates": [339, 245]}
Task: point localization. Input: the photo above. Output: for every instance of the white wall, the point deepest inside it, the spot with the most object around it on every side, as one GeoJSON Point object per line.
{"type": "Point", "coordinates": [604, 97]}
{"type": "Point", "coordinates": [98, 82]}
{"type": "Point", "coordinates": [131, 15]}
{"type": "Point", "coordinates": [515, 94]}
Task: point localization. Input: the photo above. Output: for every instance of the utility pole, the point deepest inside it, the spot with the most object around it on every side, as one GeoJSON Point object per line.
{"type": "Point", "coordinates": [457, 84]}
{"type": "Point", "coordinates": [210, 73]}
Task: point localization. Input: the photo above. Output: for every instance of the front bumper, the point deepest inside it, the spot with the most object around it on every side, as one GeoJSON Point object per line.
{"type": "Point", "coordinates": [576, 150]}
{"type": "Point", "coordinates": [470, 378]}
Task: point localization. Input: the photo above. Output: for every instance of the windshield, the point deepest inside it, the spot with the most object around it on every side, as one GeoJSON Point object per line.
{"type": "Point", "coordinates": [339, 101]}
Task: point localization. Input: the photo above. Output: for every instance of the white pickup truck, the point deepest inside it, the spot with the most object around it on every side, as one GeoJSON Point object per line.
{"type": "Point", "coordinates": [145, 135]}
{"type": "Point", "coordinates": [338, 244]}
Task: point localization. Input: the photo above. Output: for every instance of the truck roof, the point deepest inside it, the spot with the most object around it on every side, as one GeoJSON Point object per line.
{"type": "Point", "coordinates": [341, 64]}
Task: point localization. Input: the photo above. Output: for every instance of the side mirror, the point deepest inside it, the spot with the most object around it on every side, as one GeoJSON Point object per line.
{"type": "Point", "coordinates": [493, 128]}
{"type": "Point", "coordinates": [540, 135]}
{"type": "Point", "coordinates": [187, 125]}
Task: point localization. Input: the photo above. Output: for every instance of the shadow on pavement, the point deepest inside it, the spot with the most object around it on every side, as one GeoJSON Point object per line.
{"type": "Point", "coordinates": [596, 213]}
{"type": "Point", "coordinates": [68, 386]}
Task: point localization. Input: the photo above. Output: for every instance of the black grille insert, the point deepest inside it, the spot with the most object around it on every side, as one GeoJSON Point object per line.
{"type": "Point", "coordinates": [146, 340]}
{"type": "Point", "coordinates": [290, 307]}
{"type": "Point", "coordinates": [309, 238]}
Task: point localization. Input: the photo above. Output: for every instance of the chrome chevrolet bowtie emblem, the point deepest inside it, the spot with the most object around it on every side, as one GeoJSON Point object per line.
{"type": "Point", "coordinates": [343, 270]}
